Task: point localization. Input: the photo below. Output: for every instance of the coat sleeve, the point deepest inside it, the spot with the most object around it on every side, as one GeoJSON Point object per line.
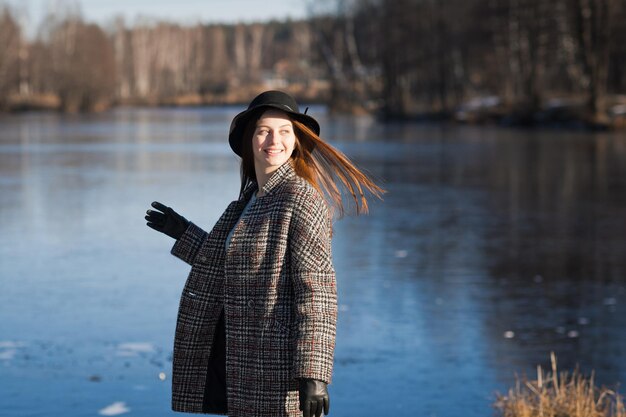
{"type": "Point", "coordinates": [186, 247]}
{"type": "Point", "coordinates": [314, 286]}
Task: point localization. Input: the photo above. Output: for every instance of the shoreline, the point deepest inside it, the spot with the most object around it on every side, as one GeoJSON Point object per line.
{"type": "Point", "coordinates": [480, 111]}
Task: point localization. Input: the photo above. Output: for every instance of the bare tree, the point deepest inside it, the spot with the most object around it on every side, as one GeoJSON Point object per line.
{"type": "Point", "coordinates": [11, 46]}
{"type": "Point", "coordinates": [215, 73]}
{"type": "Point", "coordinates": [592, 29]}
{"type": "Point", "coordinates": [340, 43]}
{"type": "Point", "coordinates": [83, 65]}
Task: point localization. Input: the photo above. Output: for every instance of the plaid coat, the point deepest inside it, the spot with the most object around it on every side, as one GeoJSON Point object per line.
{"type": "Point", "coordinates": [276, 284]}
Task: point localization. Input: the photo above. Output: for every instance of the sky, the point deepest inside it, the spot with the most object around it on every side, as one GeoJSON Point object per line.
{"type": "Point", "coordinates": [184, 11]}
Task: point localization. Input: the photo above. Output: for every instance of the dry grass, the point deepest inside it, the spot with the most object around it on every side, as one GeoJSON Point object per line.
{"type": "Point", "coordinates": [556, 394]}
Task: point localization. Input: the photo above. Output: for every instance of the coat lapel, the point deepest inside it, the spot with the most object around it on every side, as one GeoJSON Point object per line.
{"type": "Point", "coordinates": [279, 177]}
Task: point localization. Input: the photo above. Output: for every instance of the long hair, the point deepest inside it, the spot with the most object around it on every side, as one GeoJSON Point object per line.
{"type": "Point", "coordinates": [324, 167]}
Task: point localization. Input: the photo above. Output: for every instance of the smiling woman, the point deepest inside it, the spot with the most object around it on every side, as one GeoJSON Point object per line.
{"type": "Point", "coordinates": [255, 334]}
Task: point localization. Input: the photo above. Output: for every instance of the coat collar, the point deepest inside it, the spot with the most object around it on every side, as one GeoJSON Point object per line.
{"type": "Point", "coordinates": [279, 177]}
{"type": "Point", "coordinates": [283, 173]}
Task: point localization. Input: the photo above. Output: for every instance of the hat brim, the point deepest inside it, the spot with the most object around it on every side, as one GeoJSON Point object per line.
{"type": "Point", "coordinates": [240, 121]}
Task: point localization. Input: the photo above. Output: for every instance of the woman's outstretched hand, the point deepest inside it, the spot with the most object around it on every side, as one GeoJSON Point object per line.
{"type": "Point", "coordinates": [313, 398]}
{"type": "Point", "coordinates": [166, 220]}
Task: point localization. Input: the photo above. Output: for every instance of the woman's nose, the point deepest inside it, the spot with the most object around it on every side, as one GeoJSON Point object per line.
{"type": "Point", "coordinates": [271, 136]}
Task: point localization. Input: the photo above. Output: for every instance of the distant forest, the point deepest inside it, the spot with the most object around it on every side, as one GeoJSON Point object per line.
{"type": "Point", "coordinates": [470, 59]}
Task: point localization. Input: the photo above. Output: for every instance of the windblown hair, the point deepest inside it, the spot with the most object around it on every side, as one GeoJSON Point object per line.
{"type": "Point", "coordinates": [324, 167]}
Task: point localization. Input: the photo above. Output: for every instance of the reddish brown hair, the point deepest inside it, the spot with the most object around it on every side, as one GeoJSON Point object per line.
{"type": "Point", "coordinates": [324, 167]}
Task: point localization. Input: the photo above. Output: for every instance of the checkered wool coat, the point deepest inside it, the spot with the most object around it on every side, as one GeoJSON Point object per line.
{"type": "Point", "coordinates": [276, 284]}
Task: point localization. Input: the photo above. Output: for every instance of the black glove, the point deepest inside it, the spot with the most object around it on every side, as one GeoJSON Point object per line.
{"type": "Point", "coordinates": [168, 222]}
{"type": "Point", "coordinates": [313, 397]}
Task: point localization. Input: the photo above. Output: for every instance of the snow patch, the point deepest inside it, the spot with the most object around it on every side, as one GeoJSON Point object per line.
{"type": "Point", "coordinates": [8, 354]}
{"type": "Point", "coordinates": [10, 344]}
{"type": "Point", "coordinates": [114, 409]}
{"type": "Point", "coordinates": [132, 349]}
{"type": "Point", "coordinates": [8, 349]}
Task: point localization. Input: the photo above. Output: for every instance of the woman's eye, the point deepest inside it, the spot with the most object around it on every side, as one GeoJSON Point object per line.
{"type": "Point", "coordinates": [284, 132]}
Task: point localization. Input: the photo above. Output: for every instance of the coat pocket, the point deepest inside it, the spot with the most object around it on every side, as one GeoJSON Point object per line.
{"type": "Point", "coordinates": [276, 354]}
{"type": "Point", "coordinates": [192, 316]}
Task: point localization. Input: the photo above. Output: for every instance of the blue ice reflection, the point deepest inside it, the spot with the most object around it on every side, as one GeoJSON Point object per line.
{"type": "Point", "coordinates": [491, 249]}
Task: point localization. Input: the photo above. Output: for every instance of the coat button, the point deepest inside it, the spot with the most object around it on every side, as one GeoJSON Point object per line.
{"type": "Point", "coordinates": [203, 258]}
{"type": "Point", "coordinates": [251, 303]}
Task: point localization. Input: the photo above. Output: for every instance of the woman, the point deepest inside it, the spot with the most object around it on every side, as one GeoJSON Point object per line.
{"type": "Point", "coordinates": [255, 333]}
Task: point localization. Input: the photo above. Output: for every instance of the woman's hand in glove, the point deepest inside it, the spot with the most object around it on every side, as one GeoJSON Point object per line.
{"type": "Point", "coordinates": [166, 220]}
{"type": "Point", "coordinates": [313, 397]}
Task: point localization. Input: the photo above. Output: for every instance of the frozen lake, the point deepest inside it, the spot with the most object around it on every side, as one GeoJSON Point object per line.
{"type": "Point", "coordinates": [492, 248]}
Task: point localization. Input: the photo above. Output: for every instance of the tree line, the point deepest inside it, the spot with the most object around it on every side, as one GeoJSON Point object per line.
{"type": "Point", "coordinates": [530, 57]}
{"type": "Point", "coordinates": [82, 66]}
{"type": "Point", "coordinates": [400, 58]}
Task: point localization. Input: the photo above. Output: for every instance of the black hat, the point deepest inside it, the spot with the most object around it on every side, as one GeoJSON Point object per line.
{"type": "Point", "coordinates": [269, 99]}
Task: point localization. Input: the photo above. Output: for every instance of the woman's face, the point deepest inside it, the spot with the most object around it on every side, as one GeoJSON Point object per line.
{"type": "Point", "coordinates": [273, 140]}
